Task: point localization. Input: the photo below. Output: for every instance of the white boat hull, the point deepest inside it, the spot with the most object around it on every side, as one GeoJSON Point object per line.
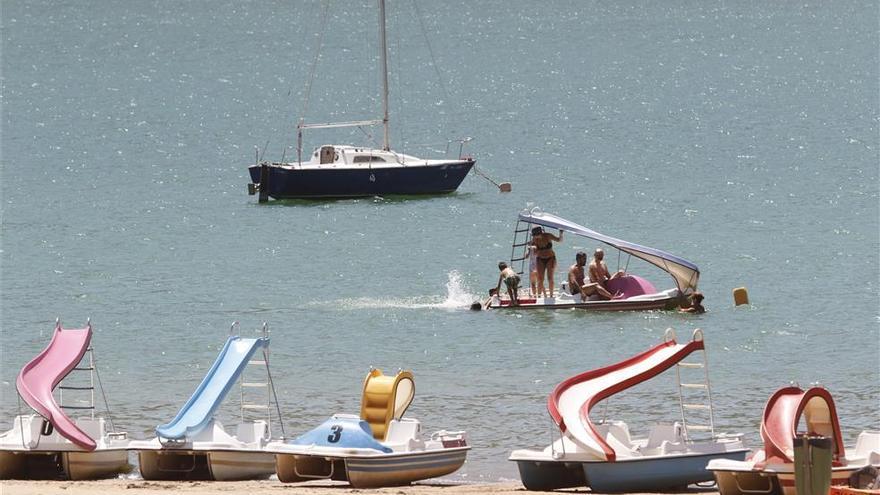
{"type": "Point", "coordinates": [74, 466]}
{"type": "Point", "coordinates": [394, 469]}
{"type": "Point", "coordinates": [192, 465]}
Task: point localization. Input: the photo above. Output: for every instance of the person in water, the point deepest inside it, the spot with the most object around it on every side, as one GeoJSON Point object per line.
{"type": "Point", "coordinates": [511, 281]}
{"type": "Point", "coordinates": [696, 304]}
{"type": "Point", "coordinates": [576, 283]}
{"type": "Point", "coordinates": [545, 257]}
{"type": "Point", "coordinates": [599, 275]}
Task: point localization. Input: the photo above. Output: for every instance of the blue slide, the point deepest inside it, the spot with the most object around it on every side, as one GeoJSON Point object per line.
{"type": "Point", "coordinates": [199, 409]}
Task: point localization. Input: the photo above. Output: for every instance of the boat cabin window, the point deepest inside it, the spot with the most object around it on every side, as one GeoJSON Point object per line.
{"type": "Point", "coordinates": [328, 154]}
{"type": "Point", "coordinates": [368, 158]}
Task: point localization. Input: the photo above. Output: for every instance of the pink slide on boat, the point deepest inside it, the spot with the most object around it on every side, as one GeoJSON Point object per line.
{"type": "Point", "coordinates": [39, 377]}
{"type": "Point", "coordinates": [782, 415]}
{"type": "Point", "coordinates": [571, 401]}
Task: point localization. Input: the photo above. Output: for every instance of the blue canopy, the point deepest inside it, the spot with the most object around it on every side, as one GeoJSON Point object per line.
{"type": "Point", "coordinates": [685, 273]}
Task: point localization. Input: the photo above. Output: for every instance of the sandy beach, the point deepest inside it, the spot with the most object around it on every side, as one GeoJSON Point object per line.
{"type": "Point", "coordinates": [141, 487]}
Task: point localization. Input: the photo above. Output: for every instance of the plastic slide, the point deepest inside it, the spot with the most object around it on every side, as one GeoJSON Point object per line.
{"type": "Point", "coordinates": [39, 377]}
{"type": "Point", "coordinates": [783, 412]}
{"type": "Point", "coordinates": [199, 409]}
{"type": "Point", "coordinates": [571, 401]}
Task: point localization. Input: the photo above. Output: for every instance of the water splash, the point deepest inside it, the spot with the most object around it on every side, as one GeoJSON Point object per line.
{"type": "Point", "coordinates": [457, 297]}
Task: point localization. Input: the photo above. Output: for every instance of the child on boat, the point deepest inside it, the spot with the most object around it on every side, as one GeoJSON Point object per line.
{"type": "Point", "coordinates": [511, 281]}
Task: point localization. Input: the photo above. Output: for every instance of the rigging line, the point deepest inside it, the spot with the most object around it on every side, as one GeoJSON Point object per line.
{"type": "Point", "coordinates": [431, 53]}
{"type": "Point", "coordinates": [401, 126]}
{"type": "Point", "coordinates": [103, 395]}
{"type": "Point", "coordinates": [321, 30]}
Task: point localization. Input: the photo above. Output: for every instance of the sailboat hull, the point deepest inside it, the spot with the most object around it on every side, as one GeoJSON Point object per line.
{"type": "Point", "coordinates": [287, 181]}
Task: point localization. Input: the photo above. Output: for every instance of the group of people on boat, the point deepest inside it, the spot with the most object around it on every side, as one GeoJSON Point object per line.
{"type": "Point", "coordinates": [542, 266]}
{"type": "Point", "coordinates": [591, 283]}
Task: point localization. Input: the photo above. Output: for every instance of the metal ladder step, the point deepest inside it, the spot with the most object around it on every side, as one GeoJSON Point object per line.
{"type": "Point", "coordinates": [78, 407]}
{"type": "Point", "coordinates": [254, 384]}
{"type": "Point", "coordinates": [71, 387]}
{"type": "Point", "coordinates": [691, 365]}
{"type": "Point", "coordinates": [693, 385]}
{"type": "Point", "coordinates": [696, 406]}
{"type": "Point", "coordinates": [258, 362]}
{"type": "Point", "coordinates": [699, 427]}
{"type": "Point", "coordinates": [255, 406]}
{"type": "Point", "coordinates": [89, 368]}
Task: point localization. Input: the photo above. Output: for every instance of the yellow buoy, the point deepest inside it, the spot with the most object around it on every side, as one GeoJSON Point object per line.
{"type": "Point", "coordinates": [740, 296]}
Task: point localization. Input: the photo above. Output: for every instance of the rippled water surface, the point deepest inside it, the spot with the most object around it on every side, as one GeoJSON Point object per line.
{"type": "Point", "coordinates": [740, 135]}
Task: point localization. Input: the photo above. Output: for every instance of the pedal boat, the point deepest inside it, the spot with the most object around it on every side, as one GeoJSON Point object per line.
{"type": "Point", "coordinates": [195, 446]}
{"type": "Point", "coordinates": [603, 456]}
{"type": "Point", "coordinates": [50, 444]}
{"type": "Point", "coordinates": [771, 470]}
{"type": "Point", "coordinates": [633, 292]}
{"type": "Point", "coordinates": [376, 449]}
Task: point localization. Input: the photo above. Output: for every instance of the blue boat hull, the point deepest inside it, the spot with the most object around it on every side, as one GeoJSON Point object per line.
{"type": "Point", "coordinates": [294, 183]}
{"type": "Point", "coordinates": [632, 475]}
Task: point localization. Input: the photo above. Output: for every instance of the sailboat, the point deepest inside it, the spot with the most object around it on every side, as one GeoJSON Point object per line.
{"type": "Point", "coordinates": [345, 171]}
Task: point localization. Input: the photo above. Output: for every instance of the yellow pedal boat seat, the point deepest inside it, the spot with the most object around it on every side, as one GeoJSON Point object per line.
{"type": "Point", "coordinates": [386, 398]}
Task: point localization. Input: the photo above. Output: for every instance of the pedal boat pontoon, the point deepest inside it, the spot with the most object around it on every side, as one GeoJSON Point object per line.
{"type": "Point", "coordinates": [50, 444]}
{"type": "Point", "coordinates": [195, 446]}
{"type": "Point", "coordinates": [603, 456]}
{"type": "Point", "coordinates": [635, 292]}
{"type": "Point", "coordinates": [378, 448]}
{"type": "Point", "coordinates": [771, 470]}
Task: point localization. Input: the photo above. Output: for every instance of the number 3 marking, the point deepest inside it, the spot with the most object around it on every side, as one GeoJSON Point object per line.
{"type": "Point", "coordinates": [337, 433]}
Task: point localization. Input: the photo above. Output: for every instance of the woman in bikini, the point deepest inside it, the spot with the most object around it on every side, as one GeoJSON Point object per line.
{"type": "Point", "coordinates": [545, 257]}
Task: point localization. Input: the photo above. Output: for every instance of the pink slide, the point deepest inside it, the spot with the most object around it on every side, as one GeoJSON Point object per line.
{"type": "Point", "coordinates": [38, 378]}
{"type": "Point", "coordinates": [571, 401]}
{"type": "Point", "coordinates": [783, 413]}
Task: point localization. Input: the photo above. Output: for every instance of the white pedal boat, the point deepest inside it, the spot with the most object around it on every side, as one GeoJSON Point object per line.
{"type": "Point", "coordinates": [52, 445]}
{"type": "Point", "coordinates": [603, 456]}
{"type": "Point", "coordinates": [378, 448]}
{"type": "Point", "coordinates": [771, 470]}
{"type": "Point", "coordinates": [195, 446]}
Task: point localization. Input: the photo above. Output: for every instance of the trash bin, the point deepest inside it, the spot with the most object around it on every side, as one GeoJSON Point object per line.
{"type": "Point", "coordinates": [812, 464]}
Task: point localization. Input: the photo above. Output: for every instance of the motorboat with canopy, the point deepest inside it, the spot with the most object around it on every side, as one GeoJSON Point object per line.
{"type": "Point", "coordinates": [632, 291]}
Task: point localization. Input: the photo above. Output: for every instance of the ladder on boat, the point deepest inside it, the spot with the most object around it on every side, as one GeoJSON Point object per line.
{"type": "Point", "coordinates": [695, 395]}
{"type": "Point", "coordinates": [87, 363]}
{"type": "Point", "coordinates": [519, 252]}
{"type": "Point", "coordinates": [250, 385]}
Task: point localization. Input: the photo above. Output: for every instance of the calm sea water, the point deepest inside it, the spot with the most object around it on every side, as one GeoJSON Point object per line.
{"type": "Point", "coordinates": [740, 135]}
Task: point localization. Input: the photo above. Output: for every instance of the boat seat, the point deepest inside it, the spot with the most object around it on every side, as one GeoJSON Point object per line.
{"type": "Point", "coordinates": [251, 432]}
{"type": "Point", "coordinates": [664, 433]}
{"type": "Point", "coordinates": [616, 435]}
{"type": "Point", "coordinates": [385, 398]}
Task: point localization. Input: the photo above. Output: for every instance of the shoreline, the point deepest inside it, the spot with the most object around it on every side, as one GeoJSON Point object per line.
{"type": "Point", "coordinates": [143, 487]}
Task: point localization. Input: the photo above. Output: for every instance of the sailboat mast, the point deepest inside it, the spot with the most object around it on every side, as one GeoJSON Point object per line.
{"type": "Point", "coordinates": [384, 56]}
